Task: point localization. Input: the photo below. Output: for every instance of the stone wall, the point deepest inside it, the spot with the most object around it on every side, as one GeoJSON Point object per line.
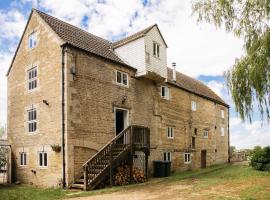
{"type": "Point", "coordinates": [47, 57]}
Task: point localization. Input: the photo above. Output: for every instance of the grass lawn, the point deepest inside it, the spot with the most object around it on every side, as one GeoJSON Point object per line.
{"type": "Point", "coordinates": [222, 182]}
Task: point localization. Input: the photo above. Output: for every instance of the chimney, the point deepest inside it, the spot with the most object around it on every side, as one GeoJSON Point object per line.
{"type": "Point", "coordinates": [174, 72]}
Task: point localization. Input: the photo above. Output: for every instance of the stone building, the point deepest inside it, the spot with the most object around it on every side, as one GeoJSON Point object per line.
{"type": "Point", "coordinates": [71, 92]}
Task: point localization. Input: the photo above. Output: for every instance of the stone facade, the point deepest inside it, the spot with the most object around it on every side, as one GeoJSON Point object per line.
{"type": "Point", "coordinates": [91, 98]}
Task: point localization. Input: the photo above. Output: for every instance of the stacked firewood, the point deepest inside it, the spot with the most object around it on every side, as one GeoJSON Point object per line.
{"type": "Point", "coordinates": [123, 172]}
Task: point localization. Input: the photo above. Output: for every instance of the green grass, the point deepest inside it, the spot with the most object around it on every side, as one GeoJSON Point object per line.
{"type": "Point", "coordinates": [225, 181]}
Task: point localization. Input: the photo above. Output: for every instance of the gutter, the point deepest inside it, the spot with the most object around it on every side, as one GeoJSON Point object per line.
{"type": "Point", "coordinates": [63, 117]}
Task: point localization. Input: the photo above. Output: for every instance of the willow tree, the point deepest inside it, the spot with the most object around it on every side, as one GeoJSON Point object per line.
{"type": "Point", "coordinates": [249, 78]}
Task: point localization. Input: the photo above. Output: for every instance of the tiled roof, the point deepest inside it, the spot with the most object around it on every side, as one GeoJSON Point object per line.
{"type": "Point", "coordinates": [80, 38]}
{"type": "Point", "coordinates": [192, 85]}
{"type": "Point", "coordinates": [133, 37]}
{"type": "Point", "coordinates": [104, 48]}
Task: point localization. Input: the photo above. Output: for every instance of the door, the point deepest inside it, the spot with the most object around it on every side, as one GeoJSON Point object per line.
{"type": "Point", "coordinates": [121, 120]}
{"type": "Point", "coordinates": [203, 159]}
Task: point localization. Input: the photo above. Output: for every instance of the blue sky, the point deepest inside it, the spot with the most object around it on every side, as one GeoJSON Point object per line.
{"type": "Point", "coordinates": [200, 50]}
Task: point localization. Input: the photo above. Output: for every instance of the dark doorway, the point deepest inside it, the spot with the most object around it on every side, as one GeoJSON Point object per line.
{"type": "Point", "coordinates": [193, 142]}
{"type": "Point", "coordinates": [203, 159]}
{"type": "Point", "coordinates": [119, 117]}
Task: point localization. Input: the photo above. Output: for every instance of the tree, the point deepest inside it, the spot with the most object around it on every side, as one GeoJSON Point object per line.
{"type": "Point", "coordinates": [249, 78]}
{"type": "Point", "coordinates": [232, 150]}
{"type": "Point", "coordinates": [3, 157]}
{"type": "Point", "coordinates": [260, 159]}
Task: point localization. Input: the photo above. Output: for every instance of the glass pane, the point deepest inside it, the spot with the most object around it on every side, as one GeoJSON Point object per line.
{"type": "Point", "coordinates": [40, 159]}
{"type": "Point", "coordinates": [154, 48]}
{"type": "Point", "coordinates": [21, 159]}
{"type": "Point", "coordinates": [45, 159]}
{"type": "Point", "coordinates": [163, 91]}
{"type": "Point", "coordinates": [158, 50]}
{"type": "Point", "coordinates": [118, 77]}
{"type": "Point", "coordinates": [164, 156]}
{"type": "Point", "coordinates": [34, 126]}
{"type": "Point", "coordinates": [125, 79]}
{"type": "Point", "coordinates": [24, 158]}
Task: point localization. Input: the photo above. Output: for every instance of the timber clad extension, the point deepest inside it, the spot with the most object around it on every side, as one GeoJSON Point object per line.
{"type": "Point", "coordinates": [76, 92]}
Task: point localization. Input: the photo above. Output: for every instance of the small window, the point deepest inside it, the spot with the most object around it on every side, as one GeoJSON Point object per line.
{"type": "Point", "coordinates": [23, 158]}
{"type": "Point", "coordinates": [156, 49]}
{"type": "Point", "coordinates": [122, 78]}
{"type": "Point", "coordinates": [170, 132]}
{"type": "Point", "coordinates": [32, 78]}
{"type": "Point", "coordinates": [42, 159]}
{"type": "Point", "coordinates": [32, 40]}
{"type": "Point", "coordinates": [222, 131]}
{"type": "Point", "coordinates": [167, 156]}
{"type": "Point", "coordinates": [193, 142]}
{"type": "Point", "coordinates": [193, 106]}
{"type": "Point", "coordinates": [222, 114]}
{"type": "Point", "coordinates": [187, 158]}
{"type": "Point", "coordinates": [165, 92]}
{"type": "Point", "coordinates": [205, 133]}
{"type": "Point", "coordinates": [195, 131]}
{"type": "Point", "coordinates": [32, 120]}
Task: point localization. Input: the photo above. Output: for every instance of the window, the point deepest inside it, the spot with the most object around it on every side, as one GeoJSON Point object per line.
{"type": "Point", "coordinates": [195, 131]}
{"type": "Point", "coordinates": [156, 48]}
{"type": "Point", "coordinates": [187, 158]}
{"type": "Point", "coordinates": [32, 40]}
{"type": "Point", "coordinates": [122, 78]}
{"type": "Point", "coordinates": [42, 159]}
{"type": "Point", "coordinates": [165, 92]}
{"type": "Point", "coordinates": [222, 131]}
{"type": "Point", "coordinates": [32, 120]}
{"type": "Point", "coordinates": [22, 158]}
{"type": "Point", "coordinates": [32, 78]}
{"type": "Point", "coordinates": [193, 142]}
{"type": "Point", "coordinates": [222, 114]}
{"type": "Point", "coordinates": [167, 156]}
{"type": "Point", "coordinates": [170, 132]}
{"type": "Point", "coordinates": [193, 106]}
{"type": "Point", "coordinates": [205, 133]}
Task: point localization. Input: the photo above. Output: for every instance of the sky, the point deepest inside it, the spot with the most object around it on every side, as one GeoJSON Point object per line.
{"type": "Point", "coordinates": [199, 50]}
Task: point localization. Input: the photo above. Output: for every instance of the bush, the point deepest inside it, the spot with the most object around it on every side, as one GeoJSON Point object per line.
{"type": "Point", "coordinates": [260, 159]}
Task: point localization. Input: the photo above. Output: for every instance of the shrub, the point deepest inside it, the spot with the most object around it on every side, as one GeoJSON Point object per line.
{"type": "Point", "coordinates": [260, 159]}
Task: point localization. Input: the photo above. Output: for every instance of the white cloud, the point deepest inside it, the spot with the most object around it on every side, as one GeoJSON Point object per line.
{"type": "Point", "coordinates": [245, 135]}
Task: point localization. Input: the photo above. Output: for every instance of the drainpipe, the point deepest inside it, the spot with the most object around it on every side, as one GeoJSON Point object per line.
{"type": "Point", "coordinates": [63, 116]}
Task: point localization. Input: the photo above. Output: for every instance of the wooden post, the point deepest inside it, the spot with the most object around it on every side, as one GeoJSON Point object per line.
{"type": "Point", "coordinates": [85, 178]}
{"type": "Point", "coordinates": [111, 167]}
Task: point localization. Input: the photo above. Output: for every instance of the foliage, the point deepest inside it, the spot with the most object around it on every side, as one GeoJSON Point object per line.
{"type": "Point", "coordinates": [232, 150]}
{"type": "Point", "coordinates": [249, 79]}
{"type": "Point", "coordinates": [261, 159]}
{"type": "Point", "coordinates": [3, 157]}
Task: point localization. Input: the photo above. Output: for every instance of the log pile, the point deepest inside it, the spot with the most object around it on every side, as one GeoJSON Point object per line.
{"type": "Point", "coordinates": [123, 172]}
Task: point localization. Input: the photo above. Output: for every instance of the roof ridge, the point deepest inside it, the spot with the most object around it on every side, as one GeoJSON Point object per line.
{"type": "Point", "coordinates": [39, 11]}
{"type": "Point", "coordinates": [136, 34]}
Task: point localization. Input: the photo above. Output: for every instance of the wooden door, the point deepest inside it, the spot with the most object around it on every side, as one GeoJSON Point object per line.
{"type": "Point", "coordinates": [203, 159]}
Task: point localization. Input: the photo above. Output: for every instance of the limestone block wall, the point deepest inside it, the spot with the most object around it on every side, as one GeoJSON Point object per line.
{"type": "Point", "coordinates": [47, 57]}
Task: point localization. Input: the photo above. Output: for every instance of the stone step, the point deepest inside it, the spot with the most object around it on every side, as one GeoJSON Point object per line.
{"type": "Point", "coordinates": [77, 186]}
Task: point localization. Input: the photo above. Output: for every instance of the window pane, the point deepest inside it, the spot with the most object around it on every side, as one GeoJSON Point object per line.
{"type": "Point", "coordinates": [40, 159]}
{"type": "Point", "coordinates": [45, 159]}
{"type": "Point", "coordinates": [163, 91]}
{"type": "Point", "coordinates": [124, 79]}
{"type": "Point", "coordinates": [169, 156]}
{"type": "Point", "coordinates": [154, 49]}
{"type": "Point", "coordinates": [164, 155]}
{"type": "Point", "coordinates": [158, 50]}
{"type": "Point", "coordinates": [118, 77]}
{"type": "Point", "coordinates": [24, 158]}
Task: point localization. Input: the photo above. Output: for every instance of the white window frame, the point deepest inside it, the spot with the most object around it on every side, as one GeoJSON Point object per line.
{"type": "Point", "coordinates": [187, 158]}
{"type": "Point", "coordinates": [222, 131]}
{"type": "Point", "coordinates": [32, 119]}
{"type": "Point", "coordinates": [23, 158]}
{"type": "Point", "coordinates": [193, 105]}
{"type": "Point", "coordinates": [122, 74]}
{"type": "Point", "coordinates": [156, 49]}
{"type": "Point", "coordinates": [222, 114]}
{"type": "Point", "coordinates": [32, 40]}
{"type": "Point", "coordinates": [166, 92]}
{"type": "Point", "coordinates": [32, 79]}
{"type": "Point", "coordinates": [170, 132]}
{"type": "Point", "coordinates": [43, 159]}
{"type": "Point", "coordinates": [167, 156]}
{"type": "Point", "coordinates": [205, 133]}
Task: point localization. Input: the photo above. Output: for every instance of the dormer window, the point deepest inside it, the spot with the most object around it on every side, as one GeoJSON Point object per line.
{"type": "Point", "coordinates": [32, 40]}
{"type": "Point", "coordinates": [156, 48]}
{"type": "Point", "coordinates": [165, 92]}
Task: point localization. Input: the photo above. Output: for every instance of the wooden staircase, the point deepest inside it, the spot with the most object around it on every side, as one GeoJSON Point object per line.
{"type": "Point", "coordinates": [122, 147]}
